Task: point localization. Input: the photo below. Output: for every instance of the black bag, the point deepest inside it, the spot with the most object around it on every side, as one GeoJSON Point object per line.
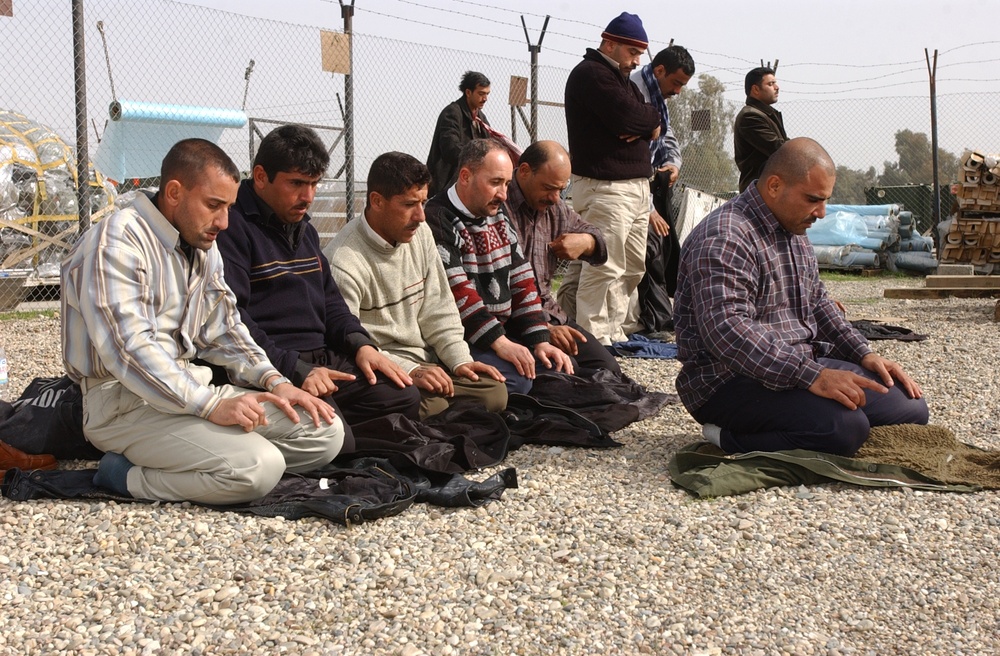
{"type": "Point", "coordinates": [48, 418]}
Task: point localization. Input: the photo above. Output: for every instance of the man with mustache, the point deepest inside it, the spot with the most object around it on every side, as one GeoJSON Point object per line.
{"type": "Point", "coordinates": [609, 126]}
{"type": "Point", "coordinates": [769, 362]}
{"type": "Point", "coordinates": [142, 296]}
{"type": "Point", "coordinates": [389, 270]}
{"type": "Point", "coordinates": [285, 292]}
{"type": "Point", "coordinates": [549, 231]}
{"type": "Point", "coordinates": [491, 280]}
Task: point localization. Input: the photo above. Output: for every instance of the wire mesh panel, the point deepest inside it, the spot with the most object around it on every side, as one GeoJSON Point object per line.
{"type": "Point", "coordinates": [149, 64]}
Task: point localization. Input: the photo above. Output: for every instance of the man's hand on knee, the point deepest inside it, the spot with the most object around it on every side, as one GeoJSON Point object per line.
{"type": "Point", "coordinates": [369, 360]}
{"type": "Point", "coordinates": [433, 379]}
{"type": "Point", "coordinates": [553, 358]}
{"type": "Point", "coordinates": [844, 387]}
{"type": "Point", "coordinates": [565, 338]}
{"type": "Point", "coordinates": [321, 381]}
{"type": "Point", "coordinates": [244, 411]}
{"type": "Point", "coordinates": [517, 355]}
{"type": "Point", "coordinates": [471, 371]}
{"type": "Point", "coordinates": [287, 395]}
{"type": "Point", "coordinates": [888, 370]}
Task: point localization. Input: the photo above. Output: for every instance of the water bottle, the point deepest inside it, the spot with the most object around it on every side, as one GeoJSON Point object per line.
{"type": "Point", "coordinates": [4, 380]}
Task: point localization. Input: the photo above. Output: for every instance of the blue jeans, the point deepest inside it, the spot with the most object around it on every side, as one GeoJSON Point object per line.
{"type": "Point", "coordinates": [516, 383]}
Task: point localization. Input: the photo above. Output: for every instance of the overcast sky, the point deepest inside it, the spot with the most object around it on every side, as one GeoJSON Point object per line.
{"type": "Point", "coordinates": [825, 48]}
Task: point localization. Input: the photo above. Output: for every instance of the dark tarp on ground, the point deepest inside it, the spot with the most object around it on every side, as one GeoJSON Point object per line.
{"type": "Point", "coordinates": [398, 461]}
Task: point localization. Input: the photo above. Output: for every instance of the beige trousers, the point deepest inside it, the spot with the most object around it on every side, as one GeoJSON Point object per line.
{"type": "Point", "coordinates": [184, 457]}
{"type": "Point", "coordinates": [620, 208]}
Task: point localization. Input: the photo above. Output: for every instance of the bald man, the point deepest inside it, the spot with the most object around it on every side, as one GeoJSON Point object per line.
{"type": "Point", "coordinates": [769, 363]}
{"type": "Point", "coordinates": [549, 231]}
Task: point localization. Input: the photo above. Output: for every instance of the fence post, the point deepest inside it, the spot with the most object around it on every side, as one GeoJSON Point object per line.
{"type": "Point", "coordinates": [936, 199]}
{"type": "Point", "coordinates": [347, 11]}
{"type": "Point", "coordinates": [534, 49]}
{"type": "Point", "coordinates": [82, 150]}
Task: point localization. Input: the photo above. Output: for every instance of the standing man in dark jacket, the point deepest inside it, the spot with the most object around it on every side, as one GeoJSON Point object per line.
{"type": "Point", "coordinates": [286, 294]}
{"type": "Point", "coordinates": [758, 130]}
{"type": "Point", "coordinates": [609, 126]}
{"type": "Point", "coordinates": [458, 124]}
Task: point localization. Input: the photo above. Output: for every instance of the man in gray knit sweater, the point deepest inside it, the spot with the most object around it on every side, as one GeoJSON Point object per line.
{"type": "Point", "coordinates": [391, 276]}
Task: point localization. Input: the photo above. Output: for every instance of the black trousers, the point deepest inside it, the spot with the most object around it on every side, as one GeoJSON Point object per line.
{"type": "Point", "coordinates": [662, 258]}
{"type": "Point", "coordinates": [592, 354]}
{"type": "Point", "coordinates": [755, 418]}
{"type": "Point", "coordinates": [357, 400]}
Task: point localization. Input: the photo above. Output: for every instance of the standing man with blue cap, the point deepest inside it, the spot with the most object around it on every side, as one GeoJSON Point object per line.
{"type": "Point", "coordinates": [609, 126]}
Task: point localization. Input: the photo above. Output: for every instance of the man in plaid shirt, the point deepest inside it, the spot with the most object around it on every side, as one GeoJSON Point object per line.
{"type": "Point", "coordinates": [769, 363]}
{"type": "Point", "coordinates": [550, 231]}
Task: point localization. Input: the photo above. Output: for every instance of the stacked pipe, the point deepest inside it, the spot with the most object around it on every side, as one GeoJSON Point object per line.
{"type": "Point", "coordinates": [979, 178]}
{"type": "Point", "coordinates": [855, 236]}
{"type": "Point", "coordinates": [871, 237]}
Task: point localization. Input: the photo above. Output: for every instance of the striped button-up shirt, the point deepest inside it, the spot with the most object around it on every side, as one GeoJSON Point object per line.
{"type": "Point", "coordinates": [750, 302]}
{"type": "Point", "coordinates": [136, 309]}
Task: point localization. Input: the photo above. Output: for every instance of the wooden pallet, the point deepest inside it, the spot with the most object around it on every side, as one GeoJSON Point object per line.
{"type": "Point", "coordinates": [952, 286]}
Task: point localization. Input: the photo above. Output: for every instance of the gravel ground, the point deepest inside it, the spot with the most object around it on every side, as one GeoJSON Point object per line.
{"type": "Point", "coordinates": [596, 553]}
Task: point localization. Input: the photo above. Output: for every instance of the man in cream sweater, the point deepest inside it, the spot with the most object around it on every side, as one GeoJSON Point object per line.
{"type": "Point", "coordinates": [392, 278]}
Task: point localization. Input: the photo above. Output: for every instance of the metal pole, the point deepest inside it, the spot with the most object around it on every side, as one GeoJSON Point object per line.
{"type": "Point", "coordinates": [347, 11]}
{"type": "Point", "coordinates": [82, 150]}
{"type": "Point", "coordinates": [534, 49]}
{"type": "Point", "coordinates": [932, 73]}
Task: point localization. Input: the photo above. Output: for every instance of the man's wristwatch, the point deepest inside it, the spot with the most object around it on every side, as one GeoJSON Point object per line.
{"type": "Point", "coordinates": [274, 382]}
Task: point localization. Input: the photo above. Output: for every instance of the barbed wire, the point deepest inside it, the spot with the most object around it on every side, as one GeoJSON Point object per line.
{"type": "Point", "coordinates": [527, 13]}
{"type": "Point", "coordinates": [461, 31]}
{"type": "Point", "coordinates": [479, 17]}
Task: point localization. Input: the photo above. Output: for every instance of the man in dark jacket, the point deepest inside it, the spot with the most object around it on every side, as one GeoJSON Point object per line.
{"type": "Point", "coordinates": [609, 126]}
{"type": "Point", "coordinates": [758, 129]}
{"type": "Point", "coordinates": [458, 124]}
{"type": "Point", "coordinates": [286, 294]}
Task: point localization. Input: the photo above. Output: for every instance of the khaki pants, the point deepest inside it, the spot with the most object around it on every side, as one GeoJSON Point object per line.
{"type": "Point", "coordinates": [184, 457]}
{"type": "Point", "coordinates": [620, 208]}
{"type": "Point", "coordinates": [491, 393]}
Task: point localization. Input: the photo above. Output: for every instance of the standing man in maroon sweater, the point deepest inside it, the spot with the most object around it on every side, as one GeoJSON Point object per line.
{"type": "Point", "coordinates": [610, 125]}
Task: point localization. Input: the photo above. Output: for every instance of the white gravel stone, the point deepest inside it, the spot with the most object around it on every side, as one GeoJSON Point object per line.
{"type": "Point", "coordinates": [595, 553]}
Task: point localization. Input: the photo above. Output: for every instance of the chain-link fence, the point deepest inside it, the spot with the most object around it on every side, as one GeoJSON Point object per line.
{"type": "Point", "coordinates": [165, 68]}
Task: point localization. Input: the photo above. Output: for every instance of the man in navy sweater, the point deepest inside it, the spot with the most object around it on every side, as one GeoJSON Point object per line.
{"type": "Point", "coordinates": [286, 295]}
{"type": "Point", "coordinates": [609, 126]}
